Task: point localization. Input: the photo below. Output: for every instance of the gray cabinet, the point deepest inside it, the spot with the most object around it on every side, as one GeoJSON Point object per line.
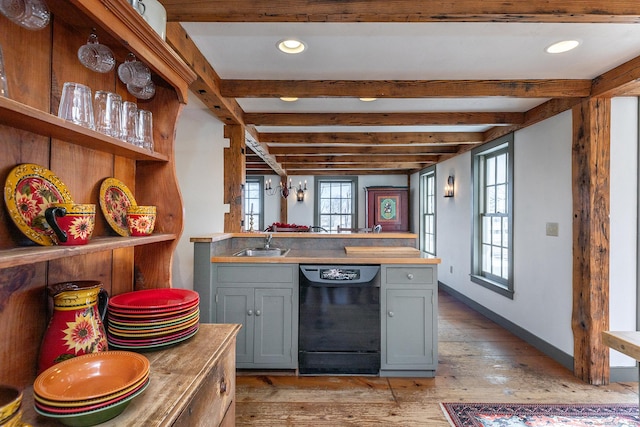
{"type": "Point", "coordinates": [409, 305]}
{"type": "Point", "coordinates": [263, 298]}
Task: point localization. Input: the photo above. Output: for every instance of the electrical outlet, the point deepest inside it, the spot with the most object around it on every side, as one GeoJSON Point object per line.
{"type": "Point", "coordinates": [552, 229]}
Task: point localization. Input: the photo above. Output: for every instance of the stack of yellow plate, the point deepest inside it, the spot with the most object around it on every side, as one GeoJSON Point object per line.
{"type": "Point", "coordinates": [92, 388]}
{"type": "Point", "coordinates": [152, 319]}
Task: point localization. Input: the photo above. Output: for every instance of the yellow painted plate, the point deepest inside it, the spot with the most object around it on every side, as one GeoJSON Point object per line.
{"type": "Point", "coordinates": [28, 192]}
{"type": "Point", "coordinates": [115, 199]}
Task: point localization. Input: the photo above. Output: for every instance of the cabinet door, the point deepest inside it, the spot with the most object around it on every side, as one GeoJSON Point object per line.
{"type": "Point", "coordinates": [273, 327]}
{"type": "Point", "coordinates": [408, 329]}
{"type": "Point", "coordinates": [236, 305]}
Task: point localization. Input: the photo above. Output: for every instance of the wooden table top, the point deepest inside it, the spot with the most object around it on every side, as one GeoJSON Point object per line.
{"type": "Point", "coordinates": [626, 342]}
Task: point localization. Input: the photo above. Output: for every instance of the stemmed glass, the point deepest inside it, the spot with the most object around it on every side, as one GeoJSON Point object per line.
{"type": "Point", "coordinates": [96, 56]}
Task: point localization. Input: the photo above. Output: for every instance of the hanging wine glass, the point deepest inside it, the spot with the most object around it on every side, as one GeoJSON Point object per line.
{"type": "Point", "coordinates": [96, 56]}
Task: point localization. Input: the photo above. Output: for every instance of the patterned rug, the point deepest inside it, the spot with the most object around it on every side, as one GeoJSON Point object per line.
{"type": "Point", "coordinates": [540, 415]}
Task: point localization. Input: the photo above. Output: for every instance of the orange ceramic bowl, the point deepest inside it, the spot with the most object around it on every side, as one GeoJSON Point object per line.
{"type": "Point", "coordinates": [91, 376]}
{"type": "Point", "coordinates": [10, 400]}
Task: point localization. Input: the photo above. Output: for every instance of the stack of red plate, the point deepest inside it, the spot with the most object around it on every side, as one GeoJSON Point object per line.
{"type": "Point", "coordinates": [92, 388]}
{"type": "Point", "coordinates": [152, 319]}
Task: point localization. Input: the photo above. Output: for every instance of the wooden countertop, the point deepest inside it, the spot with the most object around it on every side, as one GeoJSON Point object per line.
{"type": "Point", "coordinates": [175, 376]}
{"type": "Point", "coordinates": [626, 342]}
{"type": "Point", "coordinates": [304, 256]}
{"type": "Point", "coordinates": [218, 237]}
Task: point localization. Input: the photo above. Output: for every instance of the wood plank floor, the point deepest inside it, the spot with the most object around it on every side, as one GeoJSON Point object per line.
{"type": "Point", "coordinates": [478, 362]}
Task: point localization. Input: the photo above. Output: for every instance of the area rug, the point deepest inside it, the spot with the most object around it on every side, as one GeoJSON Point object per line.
{"type": "Point", "coordinates": [540, 415]}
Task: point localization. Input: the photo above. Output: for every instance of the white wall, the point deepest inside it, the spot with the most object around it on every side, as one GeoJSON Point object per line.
{"type": "Point", "coordinates": [199, 166]}
{"type": "Point", "coordinates": [543, 264]}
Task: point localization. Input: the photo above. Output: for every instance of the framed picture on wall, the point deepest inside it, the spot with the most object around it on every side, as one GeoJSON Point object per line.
{"type": "Point", "coordinates": [388, 207]}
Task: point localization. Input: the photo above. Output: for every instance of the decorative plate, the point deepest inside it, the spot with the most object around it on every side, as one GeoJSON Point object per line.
{"type": "Point", "coordinates": [28, 192]}
{"type": "Point", "coordinates": [150, 299]}
{"type": "Point", "coordinates": [115, 199]}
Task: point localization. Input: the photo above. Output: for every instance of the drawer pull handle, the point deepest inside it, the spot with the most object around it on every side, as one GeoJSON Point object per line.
{"type": "Point", "coordinates": [258, 312]}
{"type": "Point", "coordinates": [250, 313]}
{"type": "Point", "coordinates": [391, 314]}
{"type": "Point", "coordinates": [410, 276]}
{"type": "Point", "coordinates": [223, 386]}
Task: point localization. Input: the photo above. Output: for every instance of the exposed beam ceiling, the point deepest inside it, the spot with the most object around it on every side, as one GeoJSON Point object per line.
{"type": "Point", "coordinates": [422, 120]}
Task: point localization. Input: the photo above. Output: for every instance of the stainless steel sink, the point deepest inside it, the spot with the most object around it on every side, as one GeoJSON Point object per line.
{"type": "Point", "coordinates": [263, 252]}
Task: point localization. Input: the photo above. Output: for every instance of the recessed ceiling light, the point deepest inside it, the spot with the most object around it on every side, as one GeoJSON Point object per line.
{"type": "Point", "coordinates": [563, 46]}
{"type": "Point", "coordinates": [291, 46]}
{"type": "Point", "coordinates": [367, 99]}
{"type": "Point", "coordinates": [288, 98]}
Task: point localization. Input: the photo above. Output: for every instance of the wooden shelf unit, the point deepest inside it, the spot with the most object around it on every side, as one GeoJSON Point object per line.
{"type": "Point", "coordinates": [37, 64]}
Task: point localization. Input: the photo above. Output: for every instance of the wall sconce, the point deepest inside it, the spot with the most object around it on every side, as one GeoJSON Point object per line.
{"type": "Point", "coordinates": [300, 192]}
{"type": "Point", "coordinates": [448, 189]}
{"type": "Point", "coordinates": [281, 189]}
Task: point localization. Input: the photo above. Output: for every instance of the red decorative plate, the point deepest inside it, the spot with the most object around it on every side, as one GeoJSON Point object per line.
{"type": "Point", "coordinates": [154, 299]}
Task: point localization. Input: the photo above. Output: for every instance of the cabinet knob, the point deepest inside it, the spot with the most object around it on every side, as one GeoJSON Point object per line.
{"type": "Point", "coordinates": [250, 313]}
{"type": "Point", "coordinates": [391, 314]}
{"type": "Point", "coordinates": [410, 276]}
{"type": "Point", "coordinates": [258, 312]}
{"type": "Point", "coordinates": [223, 386]}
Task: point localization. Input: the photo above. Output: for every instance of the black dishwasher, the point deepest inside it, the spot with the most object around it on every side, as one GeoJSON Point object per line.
{"type": "Point", "coordinates": [339, 330]}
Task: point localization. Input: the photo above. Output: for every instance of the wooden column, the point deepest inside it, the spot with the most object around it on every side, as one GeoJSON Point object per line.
{"type": "Point", "coordinates": [590, 174]}
{"type": "Point", "coordinates": [234, 178]}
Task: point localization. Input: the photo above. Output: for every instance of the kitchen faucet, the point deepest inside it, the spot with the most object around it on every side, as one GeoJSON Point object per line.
{"type": "Point", "coordinates": [267, 241]}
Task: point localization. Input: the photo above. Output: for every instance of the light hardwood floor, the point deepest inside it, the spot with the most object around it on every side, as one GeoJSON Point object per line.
{"type": "Point", "coordinates": [478, 362]}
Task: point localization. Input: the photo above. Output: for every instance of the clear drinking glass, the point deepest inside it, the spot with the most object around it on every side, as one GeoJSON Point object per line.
{"type": "Point", "coordinates": [76, 105]}
{"type": "Point", "coordinates": [4, 89]}
{"type": "Point", "coordinates": [96, 56]}
{"type": "Point", "coordinates": [30, 14]}
{"type": "Point", "coordinates": [108, 111]}
{"type": "Point", "coordinates": [129, 122]}
{"type": "Point", "coordinates": [145, 129]}
{"type": "Point", "coordinates": [134, 72]}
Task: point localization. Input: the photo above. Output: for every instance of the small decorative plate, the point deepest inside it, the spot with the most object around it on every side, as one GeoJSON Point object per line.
{"type": "Point", "coordinates": [28, 192]}
{"type": "Point", "coordinates": [115, 199]}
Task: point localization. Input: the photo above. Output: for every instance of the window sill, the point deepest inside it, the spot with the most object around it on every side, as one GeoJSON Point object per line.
{"type": "Point", "coordinates": [492, 285]}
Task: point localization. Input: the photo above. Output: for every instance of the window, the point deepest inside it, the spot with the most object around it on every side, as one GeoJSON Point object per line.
{"type": "Point", "coordinates": [492, 259]}
{"type": "Point", "coordinates": [428, 210]}
{"type": "Point", "coordinates": [336, 202]}
{"type": "Point", "coordinates": [253, 203]}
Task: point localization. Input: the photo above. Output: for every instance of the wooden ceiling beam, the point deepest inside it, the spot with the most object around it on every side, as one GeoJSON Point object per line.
{"type": "Point", "coordinates": [383, 119]}
{"type": "Point", "coordinates": [554, 88]}
{"type": "Point", "coordinates": [371, 138]}
{"type": "Point", "coordinates": [623, 80]}
{"type": "Point", "coordinates": [363, 158]}
{"type": "Point", "coordinates": [574, 11]}
{"type": "Point", "coordinates": [206, 85]}
{"type": "Point", "coordinates": [310, 151]}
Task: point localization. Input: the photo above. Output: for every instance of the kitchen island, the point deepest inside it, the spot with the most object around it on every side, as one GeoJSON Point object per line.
{"type": "Point", "coordinates": [263, 294]}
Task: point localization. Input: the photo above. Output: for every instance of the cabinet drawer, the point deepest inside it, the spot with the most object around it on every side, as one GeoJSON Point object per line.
{"type": "Point", "coordinates": [410, 275]}
{"type": "Point", "coordinates": [254, 274]}
{"type": "Point", "coordinates": [217, 392]}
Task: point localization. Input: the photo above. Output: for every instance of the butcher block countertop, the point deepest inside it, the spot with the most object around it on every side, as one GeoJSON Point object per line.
{"type": "Point", "coordinates": [321, 248]}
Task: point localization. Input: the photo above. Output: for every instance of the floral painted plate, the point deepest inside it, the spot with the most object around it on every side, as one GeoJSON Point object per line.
{"type": "Point", "coordinates": [28, 192]}
{"type": "Point", "coordinates": [115, 199]}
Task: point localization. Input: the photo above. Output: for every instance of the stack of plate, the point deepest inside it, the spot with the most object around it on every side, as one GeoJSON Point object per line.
{"type": "Point", "coordinates": [152, 319]}
{"type": "Point", "coordinates": [92, 388]}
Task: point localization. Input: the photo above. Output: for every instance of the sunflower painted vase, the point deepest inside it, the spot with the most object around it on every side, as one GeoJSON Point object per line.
{"type": "Point", "coordinates": [77, 324]}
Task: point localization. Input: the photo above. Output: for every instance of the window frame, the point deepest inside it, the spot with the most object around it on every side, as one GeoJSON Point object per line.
{"type": "Point", "coordinates": [426, 175]}
{"type": "Point", "coordinates": [499, 284]}
{"type": "Point", "coordinates": [353, 180]}
{"type": "Point", "coordinates": [260, 181]}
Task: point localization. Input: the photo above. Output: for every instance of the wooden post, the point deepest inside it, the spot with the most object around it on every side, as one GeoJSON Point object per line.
{"type": "Point", "coordinates": [234, 178]}
{"type": "Point", "coordinates": [590, 174]}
